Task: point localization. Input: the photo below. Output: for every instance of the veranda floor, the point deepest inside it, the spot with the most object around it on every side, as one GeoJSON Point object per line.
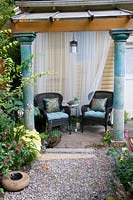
{"type": "Point", "coordinates": [92, 136]}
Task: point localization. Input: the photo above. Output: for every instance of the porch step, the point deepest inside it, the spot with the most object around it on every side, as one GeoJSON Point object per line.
{"type": "Point", "coordinates": [61, 156]}
{"type": "Point", "coordinates": [70, 150]}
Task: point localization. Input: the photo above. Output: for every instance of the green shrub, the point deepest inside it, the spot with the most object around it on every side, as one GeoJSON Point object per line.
{"type": "Point", "coordinates": [30, 139]}
{"type": "Point", "coordinates": [52, 138]}
{"type": "Point", "coordinates": [124, 166]}
{"type": "Point", "coordinates": [113, 198]}
{"type": "Point", "coordinates": [18, 147]}
{"type": "Point", "coordinates": [107, 138]}
{"type": "Point", "coordinates": [126, 117]}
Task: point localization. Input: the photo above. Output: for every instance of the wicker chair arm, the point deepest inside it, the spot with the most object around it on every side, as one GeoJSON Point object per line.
{"type": "Point", "coordinates": [66, 109]}
{"type": "Point", "coordinates": [84, 108]}
{"type": "Point", "coordinates": [108, 111]}
{"type": "Point", "coordinates": [43, 113]}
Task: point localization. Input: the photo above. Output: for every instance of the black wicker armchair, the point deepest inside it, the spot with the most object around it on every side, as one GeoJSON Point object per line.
{"type": "Point", "coordinates": [52, 113]}
{"type": "Point", "coordinates": [98, 111]}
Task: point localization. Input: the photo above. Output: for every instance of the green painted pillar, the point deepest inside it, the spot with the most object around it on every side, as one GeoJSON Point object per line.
{"type": "Point", "coordinates": [119, 36]}
{"type": "Point", "coordinates": [26, 39]}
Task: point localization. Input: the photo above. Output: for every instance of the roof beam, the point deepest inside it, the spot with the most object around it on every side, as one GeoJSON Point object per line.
{"type": "Point", "coordinates": [97, 24]}
{"type": "Point", "coordinates": [52, 17]}
{"type": "Point", "coordinates": [91, 15]}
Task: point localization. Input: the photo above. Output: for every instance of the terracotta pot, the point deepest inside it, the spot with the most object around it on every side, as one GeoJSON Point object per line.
{"type": "Point", "coordinates": [16, 180]}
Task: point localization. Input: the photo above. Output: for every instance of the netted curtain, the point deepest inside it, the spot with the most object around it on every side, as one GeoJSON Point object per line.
{"type": "Point", "coordinates": [72, 74]}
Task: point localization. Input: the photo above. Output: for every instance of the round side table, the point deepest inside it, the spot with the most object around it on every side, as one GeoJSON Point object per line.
{"type": "Point", "coordinates": [77, 111]}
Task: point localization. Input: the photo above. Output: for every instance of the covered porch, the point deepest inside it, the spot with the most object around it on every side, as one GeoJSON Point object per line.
{"type": "Point", "coordinates": [118, 23]}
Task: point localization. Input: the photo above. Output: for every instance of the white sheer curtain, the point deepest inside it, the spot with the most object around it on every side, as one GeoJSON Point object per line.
{"type": "Point", "coordinates": [73, 74]}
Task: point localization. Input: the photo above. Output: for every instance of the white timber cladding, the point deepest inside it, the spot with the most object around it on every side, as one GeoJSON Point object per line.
{"type": "Point", "coordinates": [129, 77]}
{"type": "Point", "coordinates": [107, 82]}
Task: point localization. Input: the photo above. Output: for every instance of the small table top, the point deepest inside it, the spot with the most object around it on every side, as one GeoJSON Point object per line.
{"type": "Point", "coordinates": [74, 105]}
{"type": "Point", "coordinates": [71, 105]}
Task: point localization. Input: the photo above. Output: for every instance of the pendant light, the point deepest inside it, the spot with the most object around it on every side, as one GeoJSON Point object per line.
{"type": "Point", "coordinates": [73, 45]}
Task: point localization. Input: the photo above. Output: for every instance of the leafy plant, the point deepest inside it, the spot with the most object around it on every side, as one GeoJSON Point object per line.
{"type": "Point", "coordinates": [52, 138]}
{"type": "Point", "coordinates": [1, 190]}
{"type": "Point", "coordinates": [29, 138]}
{"type": "Point", "coordinates": [124, 170]}
{"type": "Point", "coordinates": [107, 138]}
{"type": "Point", "coordinates": [9, 61]}
{"type": "Point", "coordinates": [10, 103]}
{"type": "Point", "coordinates": [6, 11]}
{"type": "Point", "coordinates": [18, 147]}
{"type": "Point", "coordinates": [113, 198]}
{"type": "Point", "coordinates": [124, 166]}
{"type": "Point", "coordinates": [126, 116]}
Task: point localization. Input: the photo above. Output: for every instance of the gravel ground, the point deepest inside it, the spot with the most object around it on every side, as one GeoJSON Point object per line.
{"type": "Point", "coordinates": [69, 179]}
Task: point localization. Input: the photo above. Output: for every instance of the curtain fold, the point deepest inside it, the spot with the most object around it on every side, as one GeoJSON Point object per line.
{"type": "Point", "coordinates": [73, 74]}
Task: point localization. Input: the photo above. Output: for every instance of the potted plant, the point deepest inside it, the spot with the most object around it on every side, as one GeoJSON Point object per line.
{"type": "Point", "coordinates": [51, 138]}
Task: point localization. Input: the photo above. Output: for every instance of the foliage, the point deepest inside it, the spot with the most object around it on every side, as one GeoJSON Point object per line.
{"type": "Point", "coordinates": [25, 145]}
{"type": "Point", "coordinates": [1, 190]}
{"type": "Point", "coordinates": [124, 163]}
{"type": "Point", "coordinates": [5, 121]}
{"type": "Point", "coordinates": [107, 138]}
{"type": "Point", "coordinates": [43, 135]}
{"type": "Point", "coordinates": [7, 42]}
{"type": "Point", "coordinates": [115, 153]}
{"type": "Point", "coordinates": [51, 138]}
{"type": "Point", "coordinates": [113, 198]}
{"type": "Point", "coordinates": [9, 47]}
{"type": "Point", "coordinates": [30, 139]}
{"type": "Point", "coordinates": [10, 61]}
{"type": "Point", "coordinates": [10, 103]}
{"type": "Point", "coordinates": [74, 120]}
{"type": "Point", "coordinates": [18, 147]}
{"type": "Point", "coordinates": [125, 173]}
{"type": "Point", "coordinates": [124, 166]}
{"type": "Point", "coordinates": [6, 11]}
{"type": "Point", "coordinates": [74, 101]}
{"type": "Point", "coordinates": [126, 116]}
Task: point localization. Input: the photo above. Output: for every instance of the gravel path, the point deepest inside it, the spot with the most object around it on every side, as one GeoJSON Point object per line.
{"type": "Point", "coordinates": [88, 178]}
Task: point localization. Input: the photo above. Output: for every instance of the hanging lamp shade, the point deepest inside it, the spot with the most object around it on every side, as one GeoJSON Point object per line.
{"type": "Point", "coordinates": [73, 46]}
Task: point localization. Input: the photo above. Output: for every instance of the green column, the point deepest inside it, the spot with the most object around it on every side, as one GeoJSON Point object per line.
{"type": "Point", "coordinates": [119, 36]}
{"type": "Point", "coordinates": [26, 40]}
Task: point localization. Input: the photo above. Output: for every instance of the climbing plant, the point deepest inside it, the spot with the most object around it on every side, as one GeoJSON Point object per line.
{"type": "Point", "coordinates": [6, 11]}
{"type": "Point", "coordinates": [10, 68]}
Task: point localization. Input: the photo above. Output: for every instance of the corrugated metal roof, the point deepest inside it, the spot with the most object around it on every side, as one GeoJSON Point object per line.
{"type": "Point", "coordinates": [70, 2]}
{"type": "Point", "coordinates": [72, 5]}
{"type": "Point", "coordinates": [70, 15]}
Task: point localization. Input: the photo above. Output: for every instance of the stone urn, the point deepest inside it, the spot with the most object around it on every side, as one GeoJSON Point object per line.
{"type": "Point", "coordinates": [15, 181]}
